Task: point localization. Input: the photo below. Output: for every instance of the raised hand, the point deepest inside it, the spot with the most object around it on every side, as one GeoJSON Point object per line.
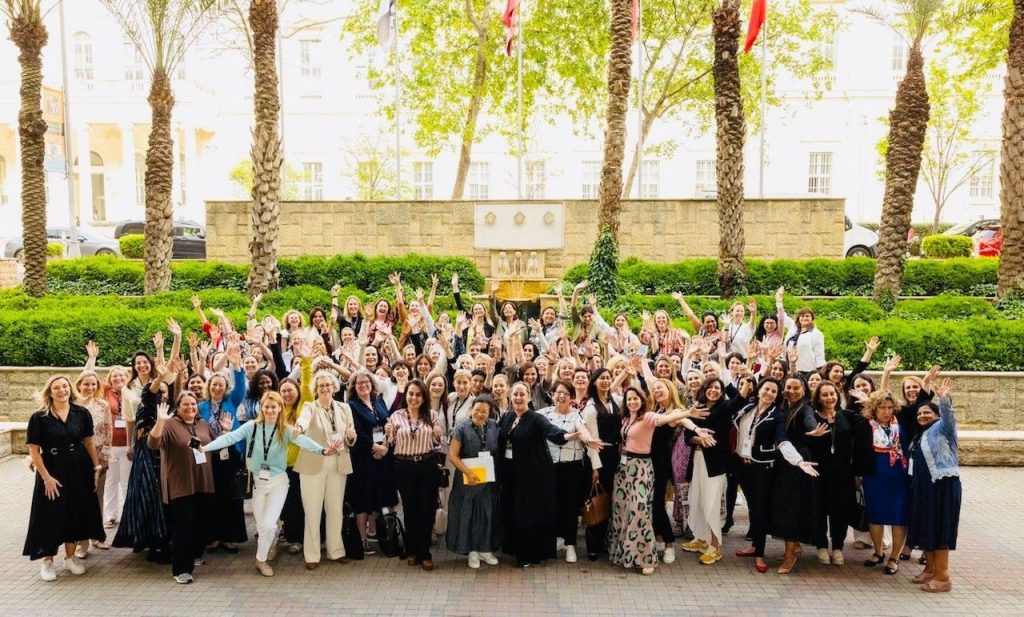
{"type": "Point", "coordinates": [746, 389]}
{"type": "Point", "coordinates": [778, 296]}
{"type": "Point", "coordinates": [92, 350]}
{"type": "Point", "coordinates": [196, 302]}
{"type": "Point", "coordinates": [193, 340]}
{"type": "Point", "coordinates": [945, 387]}
{"type": "Point", "coordinates": [752, 305]}
{"type": "Point", "coordinates": [494, 287]}
{"type": "Point", "coordinates": [559, 286]}
{"type": "Point", "coordinates": [933, 372]}
{"type": "Point", "coordinates": [581, 285]}
{"type": "Point", "coordinates": [591, 299]}
{"type": "Point", "coordinates": [433, 280]}
{"type": "Point", "coordinates": [173, 327]}
{"type": "Point", "coordinates": [226, 422]}
{"type": "Point", "coordinates": [871, 344]}
{"type": "Point", "coordinates": [455, 281]}
{"type": "Point", "coordinates": [678, 295]}
{"type": "Point", "coordinates": [892, 363]}
{"type": "Point", "coordinates": [163, 412]}
{"type": "Point", "coordinates": [419, 294]}
{"type": "Point", "coordinates": [335, 290]}
{"type": "Point", "coordinates": [857, 395]}
{"type": "Point", "coordinates": [395, 279]}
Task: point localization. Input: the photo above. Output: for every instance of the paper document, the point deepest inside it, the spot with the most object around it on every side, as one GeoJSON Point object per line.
{"type": "Point", "coordinates": [481, 466]}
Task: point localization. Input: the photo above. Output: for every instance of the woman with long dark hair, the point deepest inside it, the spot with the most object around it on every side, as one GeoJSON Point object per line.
{"type": "Point", "coordinates": [601, 406]}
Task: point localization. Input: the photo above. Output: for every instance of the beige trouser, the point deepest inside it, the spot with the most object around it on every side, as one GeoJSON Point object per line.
{"type": "Point", "coordinates": [322, 491]}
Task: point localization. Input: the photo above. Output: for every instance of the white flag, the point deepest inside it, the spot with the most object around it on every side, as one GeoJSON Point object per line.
{"type": "Point", "coordinates": [385, 15]}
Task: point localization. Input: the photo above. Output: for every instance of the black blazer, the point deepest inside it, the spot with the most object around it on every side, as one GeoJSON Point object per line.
{"type": "Point", "coordinates": [717, 457]}
{"type": "Point", "coordinates": [768, 432]}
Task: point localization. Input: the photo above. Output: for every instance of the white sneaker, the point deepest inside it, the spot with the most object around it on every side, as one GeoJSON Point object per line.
{"type": "Point", "coordinates": [489, 558]}
{"type": "Point", "coordinates": [824, 557]}
{"type": "Point", "coordinates": [474, 560]}
{"type": "Point", "coordinates": [74, 566]}
{"type": "Point", "coordinates": [559, 544]}
{"type": "Point", "coordinates": [837, 558]}
{"type": "Point", "coordinates": [659, 546]}
{"type": "Point", "coordinates": [669, 556]}
{"type": "Point", "coordinates": [570, 554]}
{"type": "Point", "coordinates": [183, 579]}
{"type": "Point", "coordinates": [46, 571]}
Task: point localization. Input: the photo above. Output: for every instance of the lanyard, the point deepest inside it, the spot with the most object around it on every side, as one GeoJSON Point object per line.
{"type": "Point", "coordinates": [329, 414]}
{"type": "Point", "coordinates": [267, 444]}
{"type": "Point", "coordinates": [191, 428]}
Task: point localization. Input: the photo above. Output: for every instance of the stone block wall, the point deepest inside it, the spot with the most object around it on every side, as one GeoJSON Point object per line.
{"type": "Point", "coordinates": [657, 230]}
{"type": "Point", "coordinates": [8, 273]}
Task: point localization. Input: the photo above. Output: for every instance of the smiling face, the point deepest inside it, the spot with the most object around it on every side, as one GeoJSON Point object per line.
{"type": "Point", "coordinates": [827, 396]}
{"type": "Point", "coordinates": [734, 364]}
{"type": "Point", "coordinates": [363, 386]}
{"type": "Point", "coordinates": [293, 320]}
{"type": "Point", "coordinates": [479, 413]}
{"type": "Point", "coordinates": [713, 392]}
{"type": "Point", "coordinates": [117, 378]}
{"type": "Point", "coordinates": [911, 389]}
{"type": "Point", "coordinates": [400, 372]}
{"type": "Point", "coordinates": [633, 401]}
{"type": "Point", "coordinates": [561, 396]}
{"type": "Point", "coordinates": [270, 409]}
{"type": "Point", "coordinates": [659, 393]}
{"type": "Point", "coordinates": [88, 386]}
{"type": "Point", "coordinates": [863, 384]}
{"type": "Point", "coordinates": [710, 323]}
{"type": "Point", "coordinates": [476, 384]}
{"type": "Point", "coordinates": [324, 388]}
{"type": "Point", "coordinates": [520, 397]}
{"type": "Point", "coordinates": [409, 354]}
{"type": "Point", "coordinates": [382, 309]}
{"type": "Point", "coordinates": [603, 383]}
{"type": "Point", "coordinates": [352, 307]}
{"type": "Point", "coordinates": [813, 381]}
{"type": "Point", "coordinates": [436, 387]}
{"type": "Point", "coordinates": [499, 386]}
{"type": "Point", "coordinates": [565, 370]}
{"type": "Point", "coordinates": [663, 368]}
{"type": "Point", "coordinates": [710, 371]}
{"type": "Point", "coordinates": [794, 390]}
{"type": "Point", "coordinates": [195, 385]}
{"type": "Point", "coordinates": [620, 322]}
{"type": "Point", "coordinates": [580, 381]}
{"type": "Point", "coordinates": [413, 397]}
{"type": "Point", "coordinates": [693, 381]}
{"type": "Point", "coordinates": [547, 316]}
{"type": "Point", "coordinates": [508, 311]}
{"type": "Point", "coordinates": [188, 408]}
{"type": "Point", "coordinates": [250, 364]}
{"type": "Point", "coordinates": [348, 336]}
{"type": "Point", "coordinates": [461, 384]}
{"type": "Point", "coordinates": [142, 366]}
{"type": "Point", "coordinates": [478, 311]}
{"type": "Point", "coordinates": [805, 319]}
{"type": "Point", "coordinates": [769, 391]}
{"type": "Point", "coordinates": [422, 367]}
{"type": "Point", "coordinates": [529, 352]}
{"type": "Point", "coordinates": [737, 312]}
{"type": "Point", "coordinates": [836, 374]}
{"type": "Point", "coordinates": [289, 393]}
{"type": "Point", "coordinates": [770, 325]}
{"type": "Point", "coordinates": [778, 371]}
{"type": "Point", "coordinates": [530, 376]}
{"type": "Point", "coordinates": [926, 415]}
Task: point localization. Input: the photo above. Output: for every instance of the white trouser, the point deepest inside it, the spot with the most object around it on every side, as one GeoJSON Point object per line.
{"type": "Point", "coordinates": [865, 537]}
{"type": "Point", "coordinates": [268, 497]}
{"type": "Point", "coordinates": [322, 491]}
{"type": "Point", "coordinates": [116, 485]}
{"type": "Point", "coordinates": [705, 501]}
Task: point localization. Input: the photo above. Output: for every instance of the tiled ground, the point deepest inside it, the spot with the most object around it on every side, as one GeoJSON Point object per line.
{"type": "Point", "coordinates": [986, 578]}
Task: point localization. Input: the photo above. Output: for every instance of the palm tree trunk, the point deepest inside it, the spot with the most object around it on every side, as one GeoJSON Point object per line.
{"type": "Point", "coordinates": [29, 34]}
{"type": "Point", "coordinates": [620, 65]}
{"type": "Point", "coordinates": [266, 150]}
{"type": "Point", "coordinates": [1011, 167]}
{"type": "Point", "coordinates": [159, 185]}
{"type": "Point", "coordinates": [730, 133]}
{"type": "Point", "coordinates": [476, 100]}
{"type": "Point", "coordinates": [908, 122]}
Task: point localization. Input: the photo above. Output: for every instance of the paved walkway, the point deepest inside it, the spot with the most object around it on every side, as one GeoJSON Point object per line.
{"type": "Point", "coordinates": [986, 578]}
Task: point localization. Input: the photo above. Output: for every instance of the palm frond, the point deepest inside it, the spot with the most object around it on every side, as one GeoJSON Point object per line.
{"type": "Point", "coordinates": [162, 30]}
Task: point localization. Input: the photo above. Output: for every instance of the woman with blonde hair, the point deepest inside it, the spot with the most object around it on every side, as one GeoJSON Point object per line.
{"type": "Point", "coordinates": [90, 396]}
{"type": "Point", "coordinates": [119, 458]}
{"type": "Point", "coordinates": [268, 438]}
{"type": "Point", "coordinates": [64, 507]}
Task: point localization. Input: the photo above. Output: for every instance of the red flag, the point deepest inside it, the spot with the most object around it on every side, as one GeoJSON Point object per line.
{"type": "Point", "coordinates": [636, 17]}
{"type": "Point", "coordinates": [509, 18]}
{"type": "Point", "coordinates": [757, 14]}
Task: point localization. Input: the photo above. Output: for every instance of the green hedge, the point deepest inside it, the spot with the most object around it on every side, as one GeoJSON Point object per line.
{"type": "Point", "coordinates": [109, 275]}
{"type": "Point", "coordinates": [806, 277]}
{"type": "Point", "coordinates": [940, 246]}
{"type": "Point", "coordinates": [958, 332]}
{"type": "Point", "coordinates": [132, 245]}
{"type": "Point", "coordinates": [921, 229]}
{"type": "Point", "coordinates": [54, 249]}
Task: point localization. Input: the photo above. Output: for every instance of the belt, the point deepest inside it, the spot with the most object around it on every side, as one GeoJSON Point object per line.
{"type": "Point", "coordinates": [415, 458]}
{"type": "Point", "coordinates": [67, 448]}
{"type": "Point", "coordinates": [636, 455]}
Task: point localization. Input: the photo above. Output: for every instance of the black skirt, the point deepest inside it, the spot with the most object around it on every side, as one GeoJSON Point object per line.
{"type": "Point", "coordinates": [74, 515]}
{"type": "Point", "coordinates": [371, 486]}
{"type": "Point", "coordinates": [144, 519]}
{"type": "Point", "coordinates": [228, 524]}
{"type": "Point", "coordinates": [795, 504]}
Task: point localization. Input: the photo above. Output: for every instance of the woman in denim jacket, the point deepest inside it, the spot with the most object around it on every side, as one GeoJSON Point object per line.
{"type": "Point", "coordinates": [935, 489]}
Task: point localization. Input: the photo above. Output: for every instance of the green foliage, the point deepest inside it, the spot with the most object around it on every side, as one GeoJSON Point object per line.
{"type": "Point", "coordinates": [132, 245]}
{"type": "Point", "coordinates": [920, 229]}
{"type": "Point", "coordinates": [604, 280]}
{"type": "Point", "coordinates": [54, 249]}
{"type": "Point", "coordinates": [291, 180]}
{"type": "Point", "coordinates": [109, 275]}
{"type": "Point", "coordinates": [940, 246]}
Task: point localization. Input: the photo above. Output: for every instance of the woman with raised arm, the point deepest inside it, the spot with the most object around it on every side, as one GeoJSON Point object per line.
{"type": "Point", "coordinates": [738, 330]}
{"type": "Point", "coordinates": [808, 343]}
{"type": "Point", "coordinates": [90, 396]}
{"type": "Point", "coordinates": [935, 489]}
{"type": "Point", "coordinates": [295, 395]}
{"type": "Point", "coordinates": [266, 440]}
{"type": "Point", "coordinates": [706, 325]}
{"type": "Point", "coordinates": [64, 507]}
{"type": "Point", "coordinates": [632, 537]}
{"type": "Point", "coordinates": [119, 461]}
{"type": "Point", "coordinates": [472, 502]}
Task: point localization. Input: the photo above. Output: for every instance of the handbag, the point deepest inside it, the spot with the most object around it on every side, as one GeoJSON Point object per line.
{"type": "Point", "coordinates": [350, 537]}
{"type": "Point", "coordinates": [241, 481]}
{"type": "Point", "coordinates": [390, 535]}
{"type": "Point", "coordinates": [597, 508]}
{"type": "Point", "coordinates": [859, 513]}
{"type": "Point", "coordinates": [443, 473]}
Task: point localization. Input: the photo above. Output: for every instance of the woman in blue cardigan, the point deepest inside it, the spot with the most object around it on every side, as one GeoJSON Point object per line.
{"type": "Point", "coordinates": [935, 489]}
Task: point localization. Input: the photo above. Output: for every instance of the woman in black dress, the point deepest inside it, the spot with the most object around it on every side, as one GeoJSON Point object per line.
{"type": "Point", "coordinates": [526, 480]}
{"type": "Point", "coordinates": [609, 431]}
{"type": "Point", "coordinates": [64, 506]}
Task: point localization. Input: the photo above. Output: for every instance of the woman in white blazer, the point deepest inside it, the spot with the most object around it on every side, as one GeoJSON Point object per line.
{"type": "Point", "coordinates": [322, 478]}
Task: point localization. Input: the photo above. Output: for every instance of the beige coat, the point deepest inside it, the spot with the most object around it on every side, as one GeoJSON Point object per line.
{"type": "Point", "coordinates": [316, 424]}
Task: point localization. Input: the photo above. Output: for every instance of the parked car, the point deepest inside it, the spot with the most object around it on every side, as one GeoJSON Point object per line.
{"type": "Point", "coordinates": [859, 241]}
{"type": "Point", "coordinates": [988, 242]}
{"type": "Point", "coordinates": [90, 242]}
{"type": "Point", "coordinates": [971, 228]}
{"type": "Point", "coordinates": [189, 237]}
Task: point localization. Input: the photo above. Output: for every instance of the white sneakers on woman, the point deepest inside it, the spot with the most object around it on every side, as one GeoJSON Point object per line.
{"type": "Point", "coordinates": [264, 568]}
{"type": "Point", "coordinates": [475, 557]}
{"type": "Point", "coordinates": [489, 559]}
{"type": "Point", "coordinates": [570, 554]}
{"type": "Point", "coordinates": [74, 566]}
{"type": "Point", "coordinates": [670, 555]}
{"type": "Point", "coordinates": [47, 572]}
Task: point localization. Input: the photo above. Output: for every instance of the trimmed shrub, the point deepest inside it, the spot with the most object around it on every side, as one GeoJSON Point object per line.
{"type": "Point", "coordinates": [132, 245]}
{"type": "Point", "coordinates": [940, 246]}
{"type": "Point", "coordinates": [54, 249]}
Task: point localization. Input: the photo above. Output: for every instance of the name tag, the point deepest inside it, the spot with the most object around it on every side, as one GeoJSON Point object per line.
{"type": "Point", "coordinates": [622, 459]}
{"type": "Point", "coordinates": [224, 454]}
{"type": "Point", "coordinates": [200, 456]}
{"type": "Point", "coordinates": [378, 435]}
{"type": "Point", "coordinates": [910, 467]}
{"type": "Point", "coordinates": [508, 453]}
{"type": "Point", "coordinates": [119, 423]}
{"type": "Point", "coordinates": [338, 437]}
{"type": "Point", "coordinates": [264, 473]}
{"type": "Point", "coordinates": [745, 450]}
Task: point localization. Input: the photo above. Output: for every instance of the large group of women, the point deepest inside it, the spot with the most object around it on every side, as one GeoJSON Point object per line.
{"type": "Point", "coordinates": [490, 434]}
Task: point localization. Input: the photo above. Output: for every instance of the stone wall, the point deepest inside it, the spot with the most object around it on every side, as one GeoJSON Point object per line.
{"type": "Point", "coordinates": [8, 273]}
{"type": "Point", "coordinates": [984, 401]}
{"type": "Point", "coordinates": [658, 230]}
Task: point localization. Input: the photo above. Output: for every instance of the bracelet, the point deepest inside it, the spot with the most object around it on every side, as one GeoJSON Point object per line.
{"type": "Point", "coordinates": [97, 468]}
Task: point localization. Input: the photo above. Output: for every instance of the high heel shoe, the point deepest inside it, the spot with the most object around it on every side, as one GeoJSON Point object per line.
{"type": "Point", "coordinates": [786, 569]}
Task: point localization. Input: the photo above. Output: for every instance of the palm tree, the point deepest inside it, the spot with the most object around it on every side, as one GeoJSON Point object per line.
{"type": "Point", "coordinates": [29, 34]}
{"type": "Point", "coordinates": [620, 65]}
{"type": "Point", "coordinates": [908, 123]}
{"type": "Point", "coordinates": [266, 149]}
{"type": "Point", "coordinates": [730, 133]}
{"type": "Point", "coordinates": [1011, 167]}
{"type": "Point", "coordinates": [161, 31]}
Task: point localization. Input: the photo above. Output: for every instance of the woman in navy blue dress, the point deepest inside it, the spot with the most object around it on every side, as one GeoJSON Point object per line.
{"type": "Point", "coordinates": [887, 490]}
{"type": "Point", "coordinates": [935, 489]}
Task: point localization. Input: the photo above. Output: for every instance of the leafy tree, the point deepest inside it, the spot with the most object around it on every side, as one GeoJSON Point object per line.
{"type": "Point", "coordinates": [291, 186]}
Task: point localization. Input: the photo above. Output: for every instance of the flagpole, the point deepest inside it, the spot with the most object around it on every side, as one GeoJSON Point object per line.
{"type": "Point", "coordinates": [764, 106]}
{"type": "Point", "coordinates": [519, 100]}
{"type": "Point", "coordinates": [398, 120]}
{"type": "Point", "coordinates": [73, 249]}
{"type": "Point", "coordinates": [640, 100]}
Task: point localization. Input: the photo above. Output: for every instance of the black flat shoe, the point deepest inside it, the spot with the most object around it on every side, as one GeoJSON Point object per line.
{"type": "Point", "coordinates": [592, 556]}
{"type": "Point", "coordinates": [892, 567]}
{"type": "Point", "coordinates": [904, 557]}
{"type": "Point", "coordinates": [874, 560]}
{"type": "Point", "coordinates": [922, 560]}
{"type": "Point", "coordinates": [727, 526]}
{"type": "Point", "coordinates": [231, 549]}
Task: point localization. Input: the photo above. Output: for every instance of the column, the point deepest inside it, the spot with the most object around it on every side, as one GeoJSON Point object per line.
{"type": "Point", "coordinates": [191, 175]}
{"type": "Point", "coordinates": [176, 174]}
{"type": "Point", "coordinates": [128, 206]}
{"type": "Point", "coordinates": [84, 209]}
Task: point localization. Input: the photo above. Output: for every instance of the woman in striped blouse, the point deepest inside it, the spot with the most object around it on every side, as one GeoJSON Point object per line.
{"type": "Point", "coordinates": [413, 434]}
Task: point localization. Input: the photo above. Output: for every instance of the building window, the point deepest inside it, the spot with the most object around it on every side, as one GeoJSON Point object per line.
{"type": "Point", "coordinates": [591, 179]}
{"type": "Point", "coordinates": [83, 59]}
{"type": "Point", "coordinates": [819, 173]}
{"type": "Point", "coordinates": [706, 184]}
{"type": "Point", "coordinates": [479, 180]}
{"type": "Point", "coordinates": [982, 179]}
{"type": "Point", "coordinates": [140, 178]}
{"type": "Point", "coordinates": [134, 67]}
{"type": "Point", "coordinates": [423, 180]}
{"type": "Point", "coordinates": [650, 179]}
{"type": "Point", "coordinates": [3, 182]}
{"type": "Point", "coordinates": [309, 59]}
{"type": "Point", "coordinates": [536, 180]}
{"type": "Point", "coordinates": [312, 181]}
{"type": "Point", "coordinates": [899, 56]}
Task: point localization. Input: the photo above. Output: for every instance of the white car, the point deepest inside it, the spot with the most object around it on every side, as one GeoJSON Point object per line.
{"type": "Point", "coordinates": [859, 241]}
